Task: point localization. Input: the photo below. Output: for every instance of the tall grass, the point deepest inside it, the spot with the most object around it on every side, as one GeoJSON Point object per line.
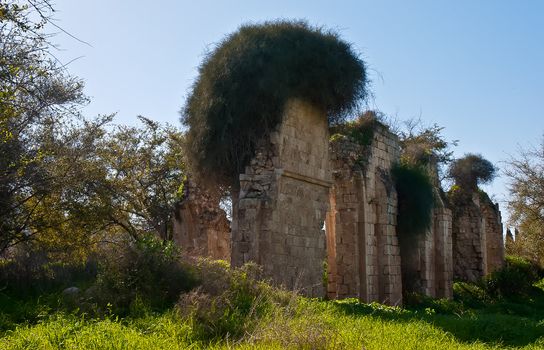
{"type": "Point", "coordinates": [299, 324]}
{"type": "Point", "coordinates": [236, 309]}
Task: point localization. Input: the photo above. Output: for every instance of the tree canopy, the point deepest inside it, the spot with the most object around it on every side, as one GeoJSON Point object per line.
{"type": "Point", "coordinates": [525, 173]}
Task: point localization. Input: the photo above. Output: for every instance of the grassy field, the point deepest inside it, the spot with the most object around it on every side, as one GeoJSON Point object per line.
{"type": "Point", "coordinates": [304, 324]}
{"type": "Point", "coordinates": [228, 308]}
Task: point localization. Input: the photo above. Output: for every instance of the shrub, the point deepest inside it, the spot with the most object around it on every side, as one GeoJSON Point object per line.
{"type": "Point", "coordinates": [360, 130]}
{"type": "Point", "coordinates": [149, 273]}
{"type": "Point", "coordinates": [228, 302]}
{"type": "Point", "coordinates": [471, 170]}
{"type": "Point", "coordinates": [516, 278]}
{"type": "Point", "coordinates": [470, 294]}
{"type": "Point", "coordinates": [244, 83]}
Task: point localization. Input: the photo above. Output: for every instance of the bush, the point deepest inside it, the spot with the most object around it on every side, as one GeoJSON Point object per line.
{"type": "Point", "coordinates": [516, 278]}
{"type": "Point", "coordinates": [243, 85]}
{"type": "Point", "coordinates": [228, 302]}
{"type": "Point", "coordinates": [147, 273]}
{"type": "Point", "coordinates": [471, 170]}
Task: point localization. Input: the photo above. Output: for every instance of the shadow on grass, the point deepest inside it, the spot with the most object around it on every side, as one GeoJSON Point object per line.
{"type": "Point", "coordinates": [504, 323]}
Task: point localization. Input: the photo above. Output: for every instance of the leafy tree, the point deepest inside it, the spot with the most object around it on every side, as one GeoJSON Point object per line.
{"type": "Point", "coordinates": [526, 204]}
{"type": "Point", "coordinates": [67, 182]}
{"type": "Point", "coordinates": [145, 174]}
{"type": "Point", "coordinates": [37, 97]}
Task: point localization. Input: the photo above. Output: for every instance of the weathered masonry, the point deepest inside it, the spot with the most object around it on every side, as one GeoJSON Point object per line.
{"type": "Point", "coordinates": [362, 244]}
{"type": "Point", "coordinates": [306, 203]}
{"type": "Point", "coordinates": [428, 266]}
{"type": "Point", "coordinates": [201, 227]}
{"type": "Point", "coordinates": [279, 213]}
{"type": "Point", "coordinates": [478, 247]}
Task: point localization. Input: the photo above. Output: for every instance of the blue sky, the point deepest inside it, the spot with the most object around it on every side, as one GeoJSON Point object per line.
{"type": "Point", "coordinates": [473, 67]}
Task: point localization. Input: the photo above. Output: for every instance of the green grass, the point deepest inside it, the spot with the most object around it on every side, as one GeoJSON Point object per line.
{"type": "Point", "coordinates": [306, 324]}
{"type": "Point", "coordinates": [233, 309]}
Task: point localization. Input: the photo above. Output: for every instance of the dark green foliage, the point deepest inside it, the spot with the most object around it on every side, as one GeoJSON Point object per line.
{"type": "Point", "coordinates": [244, 83]}
{"type": "Point", "coordinates": [415, 200]}
{"type": "Point", "coordinates": [415, 203]}
{"type": "Point", "coordinates": [31, 273]}
{"type": "Point", "coordinates": [516, 278]}
{"type": "Point", "coordinates": [149, 272]}
{"type": "Point", "coordinates": [471, 170]}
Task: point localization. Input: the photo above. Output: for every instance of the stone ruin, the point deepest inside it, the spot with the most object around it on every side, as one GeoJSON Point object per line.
{"type": "Point", "coordinates": [279, 213]}
{"type": "Point", "coordinates": [320, 217]}
{"type": "Point", "coordinates": [201, 227]}
{"type": "Point", "coordinates": [478, 245]}
{"type": "Point", "coordinates": [362, 245]}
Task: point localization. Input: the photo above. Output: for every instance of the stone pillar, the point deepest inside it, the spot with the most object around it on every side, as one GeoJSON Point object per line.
{"type": "Point", "coordinates": [201, 227]}
{"type": "Point", "coordinates": [478, 245]}
{"type": "Point", "coordinates": [443, 250]}
{"type": "Point", "coordinates": [494, 238]}
{"type": "Point", "coordinates": [364, 256]}
{"type": "Point", "coordinates": [468, 232]}
{"type": "Point", "coordinates": [284, 196]}
{"type": "Point", "coordinates": [427, 258]}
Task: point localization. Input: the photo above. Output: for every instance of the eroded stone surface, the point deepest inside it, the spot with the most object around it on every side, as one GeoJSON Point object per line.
{"type": "Point", "coordinates": [478, 246]}
{"type": "Point", "coordinates": [280, 210]}
{"type": "Point", "coordinates": [363, 248]}
{"type": "Point", "coordinates": [201, 227]}
{"type": "Point", "coordinates": [295, 183]}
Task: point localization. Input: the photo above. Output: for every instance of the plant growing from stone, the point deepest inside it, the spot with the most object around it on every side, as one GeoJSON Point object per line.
{"type": "Point", "coordinates": [472, 170]}
{"type": "Point", "coordinates": [244, 83]}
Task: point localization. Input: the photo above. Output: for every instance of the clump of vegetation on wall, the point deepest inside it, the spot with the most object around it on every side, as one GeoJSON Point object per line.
{"type": "Point", "coordinates": [244, 83]}
{"type": "Point", "coordinates": [467, 173]}
{"type": "Point", "coordinates": [359, 131]}
{"type": "Point", "coordinates": [470, 171]}
{"type": "Point", "coordinates": [415, 199]}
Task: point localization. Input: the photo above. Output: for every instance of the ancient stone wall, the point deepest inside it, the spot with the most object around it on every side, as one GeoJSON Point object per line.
{"type": "Point", "coordinates": [363, 250]}
{"type": "Point", "coordinates": [297, 181]}
{"type": "Point", "coordinates": [468, 240]}
{"type": "Point", "coordinates": [494, 237]}
{"type": "Point", "coordinates": [427, 261]}
{"type": "Point", "coordinates": [478, 245]}
{"type": "Point", "coordinates": [201, 227]}
{"type": "Point", "coordinates": [443, 250]}
{"type": "Point", "coordinates": [278, 214]}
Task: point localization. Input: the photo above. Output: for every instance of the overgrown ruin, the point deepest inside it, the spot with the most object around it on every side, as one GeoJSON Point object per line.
{"type": "Point", "coordinates": [324, 215]}
{"type": "Point", "coordinates": [299, 180]}
{"type": "Point", "coordinates": [362, 245]}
